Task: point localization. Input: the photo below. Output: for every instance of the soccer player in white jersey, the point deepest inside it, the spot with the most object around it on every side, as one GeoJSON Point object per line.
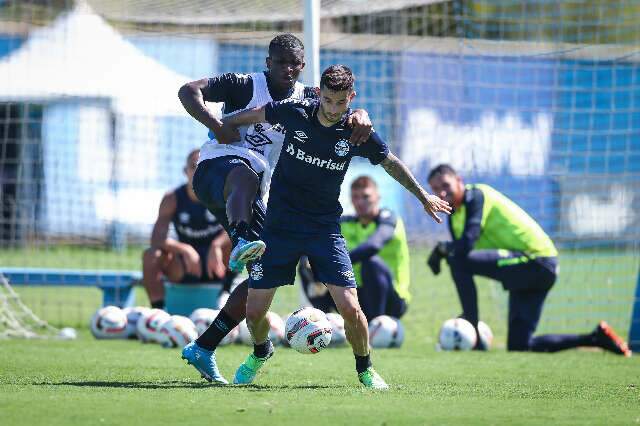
{"type": "Point", "coordinates": [304, 211]}
{"type": "Point", "coordinates": [234, 169]}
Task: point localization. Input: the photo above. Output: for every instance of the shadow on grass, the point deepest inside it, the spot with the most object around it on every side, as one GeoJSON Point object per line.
{"type": "Point", "coordinates": [174, 384]}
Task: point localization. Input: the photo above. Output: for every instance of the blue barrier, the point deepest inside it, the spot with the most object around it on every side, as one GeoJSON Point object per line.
{"type": "Point", "coordinates": [116, 286]}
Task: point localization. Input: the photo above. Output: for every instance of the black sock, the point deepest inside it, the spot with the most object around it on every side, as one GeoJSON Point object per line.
{"type": "Point", "coordinates": [239, 230]}
{"type": "Point", "coordinates": [263, 350]}
{"type": "Point", "coordinates": [362, 362]}
{"type": "Point", "coordinates": [218, 329]}
{"type": "Point", "coordinates": [227, 281]}
{"type": "Point", "coordinates": [158, 304]}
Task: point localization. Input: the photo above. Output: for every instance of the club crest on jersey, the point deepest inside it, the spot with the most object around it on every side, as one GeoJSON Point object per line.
{"type": "Point", "coordinates": [342, 148]}
{"type": "Point", "coordinates": [184, 217]}
{"type": "Point", "coordinates": [256, 271]}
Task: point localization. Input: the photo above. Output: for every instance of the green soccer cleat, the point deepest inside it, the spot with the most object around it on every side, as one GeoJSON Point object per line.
{"type": "Point", "coordinates": [249, 368]}
{"type": "Point", "coordinates": [372, 380]}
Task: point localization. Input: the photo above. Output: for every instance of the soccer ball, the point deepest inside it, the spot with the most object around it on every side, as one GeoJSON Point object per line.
{"type": "Point", "coordinates": [204, 317]}
{"type": "Point", "coordinates": [133, 315]}
{"type": "Point", "coordinates": [178, 331]}
{"type": "Point", "coordinates": [486, 335]}
{"type": "Point", "coordinates": [338, 335]}
{"type": "Point", "coordinates": [308, 331]}
{"type": "Point", "coordinates": [109, 322]}
{"type": "Point", "coordinates": [386, 332]}
{"type": "Point", "coordinates": [149, 323]}
{"type": "Point", "coordinates": [276, 330]}
{"type": "Point", "coordinates": [457, 334]}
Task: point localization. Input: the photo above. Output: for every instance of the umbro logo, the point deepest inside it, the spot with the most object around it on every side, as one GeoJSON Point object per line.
{"type": "Point", "coordinates": [300, 136]}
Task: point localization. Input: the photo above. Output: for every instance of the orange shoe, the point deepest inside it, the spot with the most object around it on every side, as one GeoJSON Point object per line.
{"type": "Point", "coordinates": [607, 339]}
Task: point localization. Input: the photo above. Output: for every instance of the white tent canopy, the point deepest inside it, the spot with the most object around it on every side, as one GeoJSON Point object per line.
{"type": "Point", "coordinates": [79, 55]}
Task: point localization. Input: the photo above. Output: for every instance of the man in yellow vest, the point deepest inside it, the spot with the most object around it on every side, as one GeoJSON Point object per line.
{"type": "Point", "coordinates": [378, 249]}
{"type": "Point", "coordinates": [493, 237]}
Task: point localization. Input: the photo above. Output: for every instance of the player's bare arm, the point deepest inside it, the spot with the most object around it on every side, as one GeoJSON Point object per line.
{"type": "Point", "coordinates": [361, 123]}
{"type": "Point", "coordinates": [160, 240]}
{"type": "Point", "coordinates": [192, 98]}
{"type": "Point", "coordinates": [401, 173]}
{"type": "Point", "coordinates": [218, 256]}
{"type": "Point", "coordinates": [243, 118]}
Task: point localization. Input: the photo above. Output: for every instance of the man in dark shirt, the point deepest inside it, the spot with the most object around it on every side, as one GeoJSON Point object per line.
{"type": "Point", "coordinates": [379, 252]}
{"type": "Point", "coordinates": [304, 211]}
{"type": "Point", "coordinates": [493, 237]}
{"type": "Point", "coordinates": [202, 248]}
{"type": "Point", "coordinates": [232, 176]}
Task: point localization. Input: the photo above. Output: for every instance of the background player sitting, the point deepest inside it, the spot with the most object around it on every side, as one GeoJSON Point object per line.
{"type": "Point", "coordinates": [202, 249]}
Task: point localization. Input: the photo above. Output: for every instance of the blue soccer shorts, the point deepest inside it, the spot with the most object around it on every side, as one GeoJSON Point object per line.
{"type": "Point", "coordinates": [327, 253]}
{"type": "Point", "coordinates": [208, 184]}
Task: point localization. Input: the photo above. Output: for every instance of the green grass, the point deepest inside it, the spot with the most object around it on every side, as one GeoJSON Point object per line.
{"type": "Point", "coordinates": [126, 382]}
{"type": "Point", "coordinates": [129, 383]}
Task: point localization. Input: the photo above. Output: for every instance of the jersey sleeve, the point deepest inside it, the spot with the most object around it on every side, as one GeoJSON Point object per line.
{"type": "Point", "coordinates": [235, 90]}
{"type": "Point", "coordinates": [284, 111]}
{"type": "Point", "coordinates": [474, 204]}
{"type": "Point", "coordinates": [374, 149]}
{"type": "Point", "coordinates": [386, 228]}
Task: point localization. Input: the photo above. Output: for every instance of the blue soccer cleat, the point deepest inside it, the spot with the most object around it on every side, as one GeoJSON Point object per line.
{"type": "Point", "coordinates": [244, 252]}
{"type": "Point", "coordinates": [204, 361]}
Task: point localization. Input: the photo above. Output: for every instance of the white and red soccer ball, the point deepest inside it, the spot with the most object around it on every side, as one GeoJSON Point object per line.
{"type": "Point", "coordinates": [338, 334]}
{"type": "Point", "coordinates": [109, 322]}
{"type": "Point", "coordinates": [386, 332]}
{"type": "Point", "coordinates": [308, 331]}
{"type": "Point", "coordinates": [149, 324]}
{"type": "Point", "coordinates": [178, 331]}
{"type": "Point", "coordinates": [204, 317]}
{"type": "Point", "coordinates": [276, 330]}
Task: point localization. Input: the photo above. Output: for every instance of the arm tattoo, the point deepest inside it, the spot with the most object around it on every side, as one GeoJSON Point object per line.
{"type": "Point", "coordinates": [397, 170]}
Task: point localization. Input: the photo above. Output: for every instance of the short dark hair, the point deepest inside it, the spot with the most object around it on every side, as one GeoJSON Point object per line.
{"type": "Point", "coordinates": [195, 151]}
{"type": "Point", "coordinates": [442, 169]}
{"type": "Point", "coordinates": [362, 182]}
{"type": "Point", "coordinates": [337, 78]}
{"type": "Point", "coordinates": [285, 41]}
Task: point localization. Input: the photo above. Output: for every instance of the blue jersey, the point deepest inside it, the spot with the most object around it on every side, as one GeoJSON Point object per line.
{"type": "Point", "coordinates": [194, 224]}
{"type": "Point", "coordinates": [306, 182]}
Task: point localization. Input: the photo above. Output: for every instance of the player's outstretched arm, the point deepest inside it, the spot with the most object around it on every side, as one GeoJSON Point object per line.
{"type": "Point", "coordinates": [248, 116]}
{"type": "Point", "coordinates": [232, 122]}
{"type": "Point", "coordinates": [401, 173]}
{"type": "Point", "coordinates": [191, 96]}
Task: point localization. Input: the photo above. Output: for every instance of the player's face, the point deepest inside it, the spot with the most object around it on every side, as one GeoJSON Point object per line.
{"type": "Point", "coordinates": [449, 187]}
{"type": "Point", "coordinates": [190, 167]}
{"type": "Point", "coordinates": [365, 201]}
{"type": "Point", "coordinates": [285, 66]}
{"type": "Point", "coordinates": [333, 104]}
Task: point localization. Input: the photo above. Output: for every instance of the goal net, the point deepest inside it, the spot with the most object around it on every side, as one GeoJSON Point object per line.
{"type": "Point", "coordinates": [539, 99]}
{"type": "Point", "coordinates": [18, 321]}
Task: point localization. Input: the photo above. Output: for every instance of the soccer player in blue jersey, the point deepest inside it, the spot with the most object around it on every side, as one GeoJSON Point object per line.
{"type": "Point", "coordinates": [232, 176]}
{"type": "Point", "coordinates": [304, 211]}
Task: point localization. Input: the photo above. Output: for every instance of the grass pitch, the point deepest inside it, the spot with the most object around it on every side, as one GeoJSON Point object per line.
{"type": "Point", "coordinates": [129, 383]}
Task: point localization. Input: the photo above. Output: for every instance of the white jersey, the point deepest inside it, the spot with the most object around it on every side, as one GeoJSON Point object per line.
{"type": "Point", "coordinates": [259, 143]}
